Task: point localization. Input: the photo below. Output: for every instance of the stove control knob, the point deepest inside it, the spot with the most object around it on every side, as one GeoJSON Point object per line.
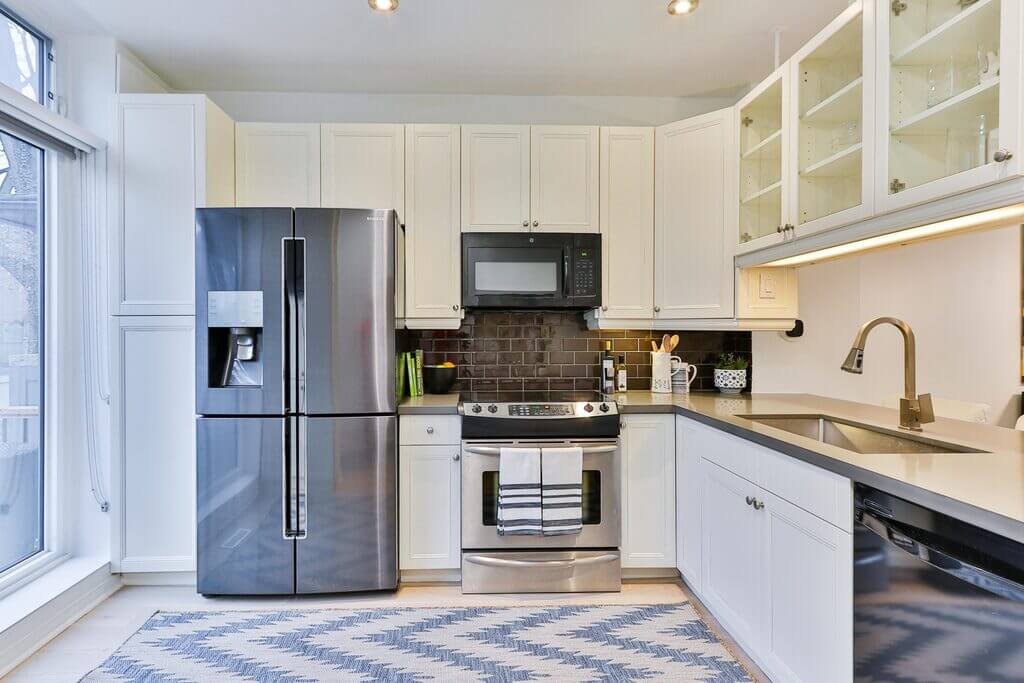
{"type": "Point", "coordinates": [492, 408]}
{"type": "Point", "coordinates": [604, 407]}
{"type": "Point", "coordinates": [588, 408]}
{"type": "Point", "coordinates": [477, 408]}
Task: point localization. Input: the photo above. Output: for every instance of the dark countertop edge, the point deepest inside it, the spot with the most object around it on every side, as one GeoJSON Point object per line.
{"type": "Point", "coordinates": [990, 521]}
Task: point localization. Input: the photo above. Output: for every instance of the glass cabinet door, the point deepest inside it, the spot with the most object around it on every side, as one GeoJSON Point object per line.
{"type": "Point", "coordinates": [946, 92]}
{"type": "Point", "coordinates": [833, 121]}
{"type": "Point", "coordinates": [762, 161]}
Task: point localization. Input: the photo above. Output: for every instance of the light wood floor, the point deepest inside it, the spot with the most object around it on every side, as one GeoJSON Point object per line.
{"type": "Point", "coordinates": [93, 638]}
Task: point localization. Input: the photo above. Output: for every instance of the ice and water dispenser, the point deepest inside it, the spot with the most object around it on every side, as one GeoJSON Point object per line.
{"type": "Point", "coordinates": [234, 330]}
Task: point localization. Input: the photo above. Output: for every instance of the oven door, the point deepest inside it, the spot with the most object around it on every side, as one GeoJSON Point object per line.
{"type": "Point", "coordinates": [515, 271]}
{"type": "Point", "coordinates": [601, 511]}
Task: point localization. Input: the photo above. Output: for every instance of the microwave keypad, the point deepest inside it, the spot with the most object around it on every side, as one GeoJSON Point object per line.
{"type": "Point", "coordinates": [585, 275]}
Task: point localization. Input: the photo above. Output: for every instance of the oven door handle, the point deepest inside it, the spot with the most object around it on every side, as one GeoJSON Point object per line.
{"type": "Point", "coordinates": [487, 561]}
{"type": "Point", "coordinates": [492, 450]}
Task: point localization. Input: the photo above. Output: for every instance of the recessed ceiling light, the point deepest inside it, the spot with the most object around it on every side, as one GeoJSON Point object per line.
{"type": "Point", "coordinates": [383, 6]}
{"type": "Point", "coordinates": [677, 7]}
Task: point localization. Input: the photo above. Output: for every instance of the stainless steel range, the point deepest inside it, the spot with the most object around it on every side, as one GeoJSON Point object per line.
{"type": "Point", "coordinates": [588, 561]}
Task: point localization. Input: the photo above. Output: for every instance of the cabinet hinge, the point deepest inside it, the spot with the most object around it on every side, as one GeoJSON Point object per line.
{"type": "Point", "coordinates": [897, 185]}
{"type": "Point", "coordinates": [747, 121]}
{"type": "Point", "coordinates": [745, 237]}
{"type": "Point", "coordinates": [898, 7]}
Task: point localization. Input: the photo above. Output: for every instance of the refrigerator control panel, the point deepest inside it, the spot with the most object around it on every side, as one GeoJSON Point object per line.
{"type": "Point", "coordinates": [234, 309]}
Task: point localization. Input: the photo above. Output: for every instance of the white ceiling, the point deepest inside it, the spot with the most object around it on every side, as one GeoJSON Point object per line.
{"type": "Point", "coordinates": [512, 47]}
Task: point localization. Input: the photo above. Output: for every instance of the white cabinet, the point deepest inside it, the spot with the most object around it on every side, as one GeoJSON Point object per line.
{"type": "Point", "coordinates": [429, 507]}
{"type": "Point", "coordinates": [433, 262]}
{"type": "Point", "coordinates": [362, 166]}
{"type": "Point", "coordinates": [277, 164]}
{"type": "Point", "coordinates": [173, 153]}
{"type": "Point", "coordinates": [832, 118]}
{"type": "Point", "coordinates": [948, 97]}
{"type": "Point", "coordinates": [627, 223]}
{"type": "Point", "coordinates": [808, 572]}
{"type": "Point", "coordinates": [154, 446]}
{"type": "Point", "coordinates": [495, 178]}
{"type": "Point", "coordinates": [689, 487]}
{"type": "Point", "coordinates": [695, 204]}
{"type": "Point", "coordinates": [564, 172]}
{"type": "Point", "coordinates": [648, 491]}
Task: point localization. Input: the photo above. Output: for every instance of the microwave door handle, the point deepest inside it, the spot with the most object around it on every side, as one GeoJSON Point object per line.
{"type": "Point", "coordinates": [565, 276]}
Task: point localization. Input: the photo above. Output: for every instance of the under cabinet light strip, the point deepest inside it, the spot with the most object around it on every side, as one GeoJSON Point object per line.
{"type": "Point", "coordinates": [984, 219]}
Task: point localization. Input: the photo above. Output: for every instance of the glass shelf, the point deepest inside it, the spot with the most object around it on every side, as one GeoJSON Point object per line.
{"type": "Point", "coordinates": [761, 151]}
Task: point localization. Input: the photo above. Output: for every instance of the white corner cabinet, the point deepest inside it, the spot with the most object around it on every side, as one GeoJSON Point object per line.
{"type": "Point", "coordinates": [277, 164]}
{"type": "Point", "coordinates": [172, 153]}
{"type": "Point", "coordinates": [433, 263]}
{"type": "Point", "coordinates": [766, 542]}
{"type": "Point", "coordinates": [530, 178]}
{"type": "Point", "coordinates": [648, 492]}
{"type": "Point", "coordinates": [429, 493]}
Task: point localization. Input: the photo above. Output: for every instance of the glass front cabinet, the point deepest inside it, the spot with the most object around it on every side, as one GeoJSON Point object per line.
{"type": "Point", "coordinates": [833, 122]}
{"type": "Point", "coordinates": [763, 183]}
{"type": "Point", "coordinates": [949, 89]}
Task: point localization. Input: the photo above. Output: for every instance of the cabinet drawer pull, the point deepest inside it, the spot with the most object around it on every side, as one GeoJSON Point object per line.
{"type": "Point", "coordinates": [750, 501]}
{"type": "Point", "coordinates": [456, 457]}
{"type": "Point", "coordinates": [526, 224]}
{"type": "Point", "coordinates": [430, 430]}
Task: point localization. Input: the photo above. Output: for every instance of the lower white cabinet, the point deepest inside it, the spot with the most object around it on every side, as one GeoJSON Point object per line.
{"type": "Point", "coordinates": [429, 507]}
{"type": "Point", "coordinates": [154, 446]}
{"type": "Point", "coordinates": [778, 577]}
{"type": "Point", "coordinates": [688, 499]}
{"type": "Point", "coordinates": [648, 491]}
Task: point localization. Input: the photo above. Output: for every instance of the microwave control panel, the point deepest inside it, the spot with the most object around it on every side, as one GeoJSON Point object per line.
{"type": "Point", "coordinates": [585, 282]}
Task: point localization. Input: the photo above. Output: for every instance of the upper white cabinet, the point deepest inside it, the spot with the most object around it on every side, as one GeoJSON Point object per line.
{"type": "Point", "coordinates": [523, 178]}
{"type": "Point", "coordinates": [564, 172]}
{"type": "Point", "coordinates": [833, 122]}
{"type": "Point", "coordinates": [648, 491]}
{"type": "Point", "coordinates": [695, 203]}
{"type": "Point", "coordinates": [949, 90]}
{"type": "Point", "coordinates": [277, 164]}
{"type": "Point", "coordinates": [362, 166]}
{"type": "Point", "coordinates": [432, 235]}
{"type": "Point", "coordinates": [627, 222]}
{"type": "Point", "coordinates": [173, 153]}
{"type": "Point", "coordinates": [495, 178]}
{"type": "Point", "coordinates": [764, 158]}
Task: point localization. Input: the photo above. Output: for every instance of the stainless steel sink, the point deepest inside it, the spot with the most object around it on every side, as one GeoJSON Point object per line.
{"type": "Point", "coordinates": [854, 436]}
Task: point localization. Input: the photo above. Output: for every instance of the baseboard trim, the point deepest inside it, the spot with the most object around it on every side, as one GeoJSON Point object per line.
{"type": "Point", "coordinates": [648, 574]}
{"type": "Point", "coordinates": [428, 576]}
{"type": "Point", "coordinates": [158, 578]}
{"type": "Point", "coordinates": [21, 640]}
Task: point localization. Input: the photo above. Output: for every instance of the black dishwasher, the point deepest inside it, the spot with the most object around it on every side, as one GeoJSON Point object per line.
{"type": "Point", "coordinates": [935, 599]}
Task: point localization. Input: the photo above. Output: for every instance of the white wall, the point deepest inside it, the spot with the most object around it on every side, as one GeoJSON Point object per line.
{"type": "Point", "coordinates": [426, 108]}
{"type": "Point", "coordinates": [962, 297]}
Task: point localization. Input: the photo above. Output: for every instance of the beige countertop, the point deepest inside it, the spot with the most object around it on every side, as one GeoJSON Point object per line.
{"type": "Point", "coordinates": [985, 489]}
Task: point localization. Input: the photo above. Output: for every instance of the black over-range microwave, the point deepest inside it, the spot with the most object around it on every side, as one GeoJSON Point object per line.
{"type": "Point", "coordinates": [531, 270]}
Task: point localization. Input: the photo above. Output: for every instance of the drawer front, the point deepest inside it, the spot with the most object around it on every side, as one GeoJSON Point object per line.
{"type": "Point", "coordinates": [429, 430]}
{"type": "Point", "coordinates": [727, 451]}
{"type": "Point", "coordinates": [583, 571]}
{"type": "Point", "coordinates": [820, 492]}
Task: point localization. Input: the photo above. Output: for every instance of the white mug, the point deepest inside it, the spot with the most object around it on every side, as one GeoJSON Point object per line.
{"type": "Point", "coordinates": [689, 373]}
{"type": "Point", "coordinates": [661, 371]}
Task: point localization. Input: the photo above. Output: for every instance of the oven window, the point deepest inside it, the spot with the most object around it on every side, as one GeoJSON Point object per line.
{"type": "Point", "coordinates": [591, 497]}
{"type": "Point", "coordinates": [534, 277]}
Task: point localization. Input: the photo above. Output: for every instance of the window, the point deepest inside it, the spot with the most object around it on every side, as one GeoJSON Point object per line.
{"type": "Point", "coordinates": [23, 57]}
{"type": "Point", "coordinates": [21, 350]}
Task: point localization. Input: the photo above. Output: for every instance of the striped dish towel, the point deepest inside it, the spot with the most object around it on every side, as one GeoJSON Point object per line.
{"type": "Point", "coordinates": [519, 492]}
{"type": "Point", "coordinates": [562, 491]}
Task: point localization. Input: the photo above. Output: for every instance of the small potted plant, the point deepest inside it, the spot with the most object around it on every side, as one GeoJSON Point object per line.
{"type": "Point", "coordinates": [731, 373]}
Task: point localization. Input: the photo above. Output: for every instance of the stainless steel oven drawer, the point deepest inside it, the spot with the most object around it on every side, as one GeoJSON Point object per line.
{"type": "Point", "coordinates": [576, 571]}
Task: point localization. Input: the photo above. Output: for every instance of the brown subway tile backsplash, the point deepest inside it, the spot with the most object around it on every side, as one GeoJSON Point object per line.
{"type": "Point", "coordinates": [509, 355]}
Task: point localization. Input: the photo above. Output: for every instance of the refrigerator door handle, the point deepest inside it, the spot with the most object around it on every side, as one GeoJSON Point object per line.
{"type": "Point", "coordinates": [289, 306]}
{"type": "Point", "coordinates": [300, 340]}
{"type": "Point", "coordinates": [302, 488]}
{"type": "Point", "coordinates": [289, 482]}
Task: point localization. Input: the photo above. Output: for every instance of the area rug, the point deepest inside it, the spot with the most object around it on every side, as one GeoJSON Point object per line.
{"type": "Point", "coordinates": [666, 642]}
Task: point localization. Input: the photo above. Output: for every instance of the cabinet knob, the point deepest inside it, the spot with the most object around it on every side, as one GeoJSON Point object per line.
{"type": "Point", "coordinates": [430, 430]}
{"type": "Point", "coordinates": [758, 505]}
{"type": "Point", "coordinates": [456, 457]}
{"type": "Point", "coordinates": [455, 307]}
{"type": "Point", "coordinates": [604, 308]}
{"type": "Point", "coordinates": [536, 223]}
{"type": "Point", "coordinates": [526, 224]}
{"type": "Point", "coordinates": [750, 501]}
{"type": "Point", "coordinates": [1002, 155]}
{"type": "Point", "coordinates": [778, 229]}
{"type": "Point", "coordinates": [657, 309]}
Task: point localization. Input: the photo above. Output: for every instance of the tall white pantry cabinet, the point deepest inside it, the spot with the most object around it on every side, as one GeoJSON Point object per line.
{"type": "Point", "coordinates": [172, 153]}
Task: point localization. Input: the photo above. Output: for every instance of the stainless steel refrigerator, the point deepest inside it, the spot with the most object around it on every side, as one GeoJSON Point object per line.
{"type": "Point", "coordinates": [295, 392]}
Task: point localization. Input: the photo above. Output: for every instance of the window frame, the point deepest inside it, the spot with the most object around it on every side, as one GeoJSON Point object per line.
{"type": "Point", "coordinates": [46, 57]}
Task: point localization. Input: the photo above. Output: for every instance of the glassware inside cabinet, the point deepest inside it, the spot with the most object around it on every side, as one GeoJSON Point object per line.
{"type": "Point", "coordinates": [944, 88]}
{"type": "Point", "coordinates": [829, 134]}
{"type": "Point", "coordinates": [761, 148]}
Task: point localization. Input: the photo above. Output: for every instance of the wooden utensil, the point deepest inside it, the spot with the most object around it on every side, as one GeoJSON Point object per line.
{"type": "Point", "coordinates": [664, 343]}
{"type": "Point", "coordinates": [673, 343]}
{"type": "Point", "coordinates": [654, 346]}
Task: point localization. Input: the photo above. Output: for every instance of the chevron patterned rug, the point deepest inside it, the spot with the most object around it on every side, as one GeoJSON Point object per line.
{"type": "Point", "coordinates": [555, 643]}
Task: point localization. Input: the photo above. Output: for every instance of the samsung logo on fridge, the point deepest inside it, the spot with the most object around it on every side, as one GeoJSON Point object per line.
{"type": "Point", "coordinates": [377, 218]}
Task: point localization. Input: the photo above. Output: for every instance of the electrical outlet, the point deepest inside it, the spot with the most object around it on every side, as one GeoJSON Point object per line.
{"type": "Point", "coordinates": [766, 285]}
